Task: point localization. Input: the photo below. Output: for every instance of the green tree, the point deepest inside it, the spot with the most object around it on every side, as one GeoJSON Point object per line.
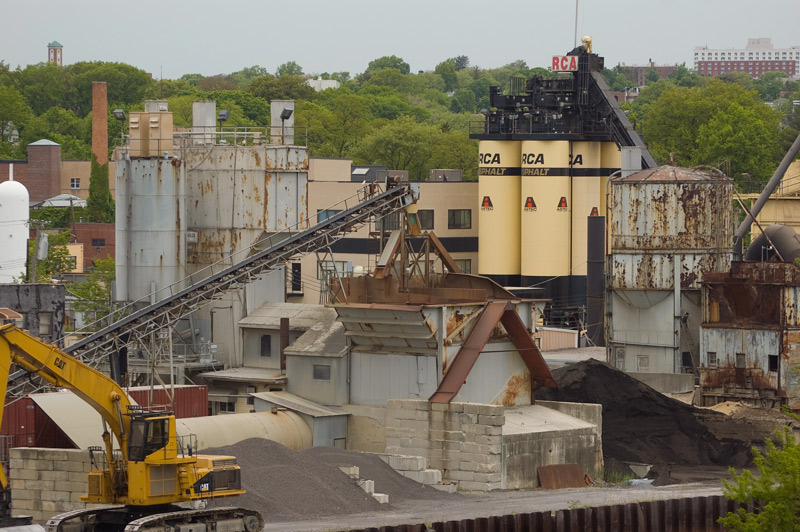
{"type": "Point", "coordinates": [770, 84]}
{"type": "Point", "coordinates": [388, 61]}
{"type": "Point", "coordinates": [447, 70]}
{"type": "Point", "coordinates": [740, 78]}
{"type": "Point", "coordinates": [461, 62]}
{"type": "Point", "coordinates": [281, 88]}
{"type": "Point", "coordinates": [181, 108]}
{"type": "Point", "coordinates": [776, 489]}
{"type": "Point", "coordinates": [346, 122]}
{"type": "Point", "coordinates": [99, 206]}
{"type": "Point", "coordinates": [244, 76]}
{"type": "Point", "coordinates": [192, 79]}
{"type": "Point", "coordinates": [57, 260]}
{"type": "Point", "coordinates": [651, 76]}
{"type": "Point", "coordinates": [401, 144]}
{"type": "Point", "coordinates": [43, 85]}
{"type": "Point", "coordinates": [127, 85]}
{"type": "Point", "coordinates": [463, 101]}
{"type": "Point", "coordinates": [289, 68]}
{"type": "Point", "coordinates": [14, 113]}
{"type": "Point", "coordinates": [391, 77]}
{"type": "Point", "coordinates": [455, 150]}
{"type": "Point", "coordinates": [685, 77]}
{"type": "Point", "coordinates": [219, 82]}
{"type": "Point", "coordinates": [93, 297]}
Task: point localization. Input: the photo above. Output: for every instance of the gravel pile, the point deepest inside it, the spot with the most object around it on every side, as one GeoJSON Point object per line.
{"type": "Point", "coordinates": [643, 425]}
{"type": "Point", "coordinates": [387, 480]}
{"type": "Point", "coordinates": [285, 485]}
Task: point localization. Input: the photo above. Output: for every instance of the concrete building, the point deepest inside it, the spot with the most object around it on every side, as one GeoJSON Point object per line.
{"type": "Point", "coordinates": [758, 57]}
{"type": "Point", "coordinates": [42, 307]}
{"type": "Point", "coordinates": [640, 71]}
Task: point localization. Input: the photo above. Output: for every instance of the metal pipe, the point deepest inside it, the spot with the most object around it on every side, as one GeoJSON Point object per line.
{"type": "Point", "coordinates": [762, 199]}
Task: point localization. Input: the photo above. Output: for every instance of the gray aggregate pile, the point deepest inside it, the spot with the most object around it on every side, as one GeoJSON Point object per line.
{"type": "Point", "coordinates": [284, 485]}
{"type": "Point", "coordinates": [387, 480]}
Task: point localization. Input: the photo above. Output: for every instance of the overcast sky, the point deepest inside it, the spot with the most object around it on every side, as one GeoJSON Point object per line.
{"type": "Point", "coordinates": [213, 37]}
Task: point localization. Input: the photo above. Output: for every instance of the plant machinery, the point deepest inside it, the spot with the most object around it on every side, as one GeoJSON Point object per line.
{"type": "Point", "coordinates": [145, 470]}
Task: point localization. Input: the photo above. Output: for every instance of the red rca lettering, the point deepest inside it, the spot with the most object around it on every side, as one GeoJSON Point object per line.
{"type": "Point", "coordinates": [564, 63]}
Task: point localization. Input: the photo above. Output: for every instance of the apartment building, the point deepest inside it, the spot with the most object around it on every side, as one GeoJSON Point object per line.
{"type": "Point", "coordinates": [758, 57]}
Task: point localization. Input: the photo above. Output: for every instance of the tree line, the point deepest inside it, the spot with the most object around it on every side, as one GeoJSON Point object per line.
{"type": "Point", "coordinates": [411, 121]}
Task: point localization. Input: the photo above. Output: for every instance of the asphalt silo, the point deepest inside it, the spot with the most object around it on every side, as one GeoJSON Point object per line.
{"type": "Point", "coordinates": [669, 226]}
{"type": "Point", "coordinates": [498, 210]}
{"type": "Point", "coordinates": [13, 229]}
{"type": "Point", "coordinates": [570, 129]}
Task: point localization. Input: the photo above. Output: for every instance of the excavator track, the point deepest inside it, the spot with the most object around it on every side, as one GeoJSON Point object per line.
{"type": "Point", "coordinates": [130, 519]}
{"type": "Point", "coordinates": [226, 519]}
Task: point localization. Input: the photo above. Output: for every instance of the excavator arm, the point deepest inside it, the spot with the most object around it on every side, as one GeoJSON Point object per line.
{"type": "Point", "coordinates": [61, 370]}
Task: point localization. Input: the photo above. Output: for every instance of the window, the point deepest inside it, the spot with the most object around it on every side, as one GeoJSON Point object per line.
{"type": "Point", "coordinates": [391, 221]}
{"type": "Point", "coordinates": [459, 219]}
{"type": "Point", "coordinates": [773, 363]}
{"type": "Point", "coordinates": [296, 282]}
{"type": "Point", "coordinates": [328, 268]}
{"type": "Point", "coordinates": [712, 359]}
{"type": "Point", "coordinates": [322, 372]}
{"type": "Point", "coordinates": [45, 323]}
{"type": "Point", "coordinates": [619, 356]}
{"type": "Point", "coordinates": [75, 182]}
{"type": "Point", "coordinates": [266, 345]}
{"type": "Point", "coordinates": [740, 360]}
{"type": "Point", "coordinates": [464, 264]}
{"type": "Point", "coordinates": [250, 398]}
{"type": "Point", "coordinates": [425, 217]}
{"type": "Point", "coordinates": [643, 363]}
{"type": "Point", "coordinates": [98, 242]}
{"type": "Point", "coordinates": [226, 406]}
{"type": "Point", "coordinates": [323, 215]}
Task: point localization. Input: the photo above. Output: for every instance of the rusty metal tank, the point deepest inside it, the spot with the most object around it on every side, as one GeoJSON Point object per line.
{"type": "Point", "coordinates": [661, 213]}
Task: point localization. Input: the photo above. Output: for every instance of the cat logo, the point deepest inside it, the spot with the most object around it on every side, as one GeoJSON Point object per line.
{"type": "Point", "coordinates": [562, 204]}
{"type": "Point", "coordinates": [594, 212]}
{"type": "Point", "coordinates": [486, 204]}
{"type": "Point", "coordinates": [530, 205]}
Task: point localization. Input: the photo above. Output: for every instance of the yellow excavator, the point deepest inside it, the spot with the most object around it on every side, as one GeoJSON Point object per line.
{"type": "Point", "coordinates": [150, 471]}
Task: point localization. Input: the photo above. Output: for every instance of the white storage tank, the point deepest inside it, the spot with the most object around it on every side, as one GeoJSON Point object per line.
{"type": "Point", "coordinates": [14, 204]}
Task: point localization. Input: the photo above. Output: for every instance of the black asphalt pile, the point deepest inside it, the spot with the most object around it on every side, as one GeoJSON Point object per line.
{"type": "Point", "coordinates": [387, 480]}
{"type": "Point", "coordinates": [643, 425]}
{"type": "Point", "coordinates": [285, 485]}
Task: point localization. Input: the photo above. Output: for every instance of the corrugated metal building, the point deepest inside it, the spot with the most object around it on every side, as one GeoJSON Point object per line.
{"type": "Point", "coordinates": [750, 335]}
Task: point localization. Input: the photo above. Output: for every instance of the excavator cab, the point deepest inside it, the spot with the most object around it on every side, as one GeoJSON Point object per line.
{"type": "Point", "coordinates": [149, 434]}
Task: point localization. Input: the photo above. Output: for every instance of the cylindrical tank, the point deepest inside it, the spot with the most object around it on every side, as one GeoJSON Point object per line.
{"type": "Point", "coordinates": [155, 223]}
{"type": "Point", "coordinates": [499, 212]}
{"type": "Point", "coordinates": [586, 192]}
{"type": "Point", "coordinates": [285, 427]}
{"type": "Point", "coordinates": [668, 214]}
{"type": "Point", "coordinates": [610, 161]}
{"type": "Point", "coordinates": [544, 197]}
{"type": "Point", "coordinates": [14, 205]}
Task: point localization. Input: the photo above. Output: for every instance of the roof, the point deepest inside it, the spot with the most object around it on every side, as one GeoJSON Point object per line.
{"type": "Point", "coordinates": [63, 200]}
{"type": "Point", "coordinates": [8, 314]}
{"type": "Point", "coordinates": [324, 339]}
{"type": "Point", "coordinates": [538, 418]}
{"type": "Point", "coordinates": [55, 44]}
{"type": "Point", "coordinates": [298, 404]}
{"type": "Point", "coordinates": [673, 174]}
{"type": "Point", "coordinates": [246, 374]}
{"type": "Point", "coordinates": [301, 316]}
{"type": "Point", "coordinates": [74, 416]}
{"type": "Point", "coordinates": [44, 142]}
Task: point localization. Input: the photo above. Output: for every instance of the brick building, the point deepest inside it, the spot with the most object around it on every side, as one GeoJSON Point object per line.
{"type": "Point", "coordinates": [45, 175]}
{"type": "Point", "coordinates": [757, 58]}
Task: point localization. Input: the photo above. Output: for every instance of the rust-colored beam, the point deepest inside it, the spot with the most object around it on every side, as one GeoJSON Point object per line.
{"type": "Point", "coordinates": [445, 257]}
{"type": "Point", "coordinates": [468, 354]}
{"type": "Point", "coordinates": [528, 350]}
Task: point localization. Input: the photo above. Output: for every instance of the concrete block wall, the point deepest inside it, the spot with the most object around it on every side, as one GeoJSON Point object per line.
{"type": "Point", "coordinates": [46, 482]}
{"type": "Point", "coordinates": [463, 440]}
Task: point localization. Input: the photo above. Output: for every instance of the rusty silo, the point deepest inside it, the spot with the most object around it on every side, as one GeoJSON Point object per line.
{"type": "Point", "coordinates": [668, 227]}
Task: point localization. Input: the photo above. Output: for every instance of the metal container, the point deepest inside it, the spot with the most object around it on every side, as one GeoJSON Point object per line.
{"type": "Point", "coordinates": [151, 228]}
{"type": "Point", "coordinates": [28, 426]}
{"type": "Point", "coordinates": [669, 215]}
{"type": "Point", "coordinates": [190, 400]}
{"type": "Point", "coordinates": [14, 214]}
{"type": "Point", "coordinates": [499, 214]}
{"type": "Point", "coordinates": [545, 217]}
{"type": "Point", "coordinates": [586, 191]}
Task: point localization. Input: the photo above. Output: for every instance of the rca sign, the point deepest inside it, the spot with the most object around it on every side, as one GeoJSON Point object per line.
{"type": "Point", "coordinates": [565, 63]}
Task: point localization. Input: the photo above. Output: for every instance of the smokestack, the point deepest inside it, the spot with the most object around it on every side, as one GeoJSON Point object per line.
{"type": "Point", "coordinates": [100, 121]}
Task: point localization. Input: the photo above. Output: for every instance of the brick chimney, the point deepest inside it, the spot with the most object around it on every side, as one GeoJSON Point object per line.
{"type": "Point", "coordinates": [100, 121]}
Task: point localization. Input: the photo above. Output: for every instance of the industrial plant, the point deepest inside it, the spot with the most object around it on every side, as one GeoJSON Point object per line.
{"type": "Point", "coordinates": [265, 295]}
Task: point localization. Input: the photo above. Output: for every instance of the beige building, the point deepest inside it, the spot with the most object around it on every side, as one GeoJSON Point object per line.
{"type": "Point", "coordinates": [449, 209]}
